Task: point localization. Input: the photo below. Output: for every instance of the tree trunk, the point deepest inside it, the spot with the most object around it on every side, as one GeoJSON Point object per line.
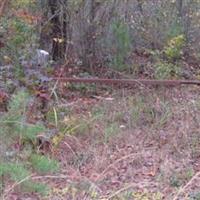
{"type": "Point", "coordinates": [59, 28]}
{"type": "Point", "coordinates": [179, 4]}
{"type": "Point", "coordinates": [89, 38]}
{"type": "Point", "coordinates": [140, 6]}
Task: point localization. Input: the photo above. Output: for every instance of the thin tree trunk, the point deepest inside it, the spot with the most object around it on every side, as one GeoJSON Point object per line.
{"type": "Point", "coordinates": [89, 39]}
{"type": "Point", "coordinates": [56, 31]}
{"type": "Point", "coordinates": [140, 6]}
{"type": "Point", "coordinates": [59, 28]}
{"type": "Point", "coordinates": [180, 7]}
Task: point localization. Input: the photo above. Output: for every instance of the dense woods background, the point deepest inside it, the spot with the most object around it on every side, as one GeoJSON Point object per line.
{"type": "Point", "coordinates": [106, 33]}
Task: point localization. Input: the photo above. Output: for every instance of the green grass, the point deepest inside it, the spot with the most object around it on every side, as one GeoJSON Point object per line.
{"type": "Point", "coordinates": [19, 172]}
{"type": "Point", "coordinates": [129, 112]}
{"type": "Point", "coordinates": [16, 172]}
{"type": "Point", "coordinates": [15, 128]}
{"type": "Point", "coordinates": [42, 164]}
{"type": "Point", "coordinates": [40, 188]}
{"type": "Point", "coordinates": [110, 131]}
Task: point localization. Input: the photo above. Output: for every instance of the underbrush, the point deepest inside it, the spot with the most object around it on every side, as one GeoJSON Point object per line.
{"type": "Point", "coordinates": [121, 136]}
{"type": "Point", "coordinates": [20, 158]}
{"type": "Point", "coordinates": [165, 70]}
{"type": "Point", "coordinates": [106, 147]}
{"type": "Point", "coordinates": [113, 117]}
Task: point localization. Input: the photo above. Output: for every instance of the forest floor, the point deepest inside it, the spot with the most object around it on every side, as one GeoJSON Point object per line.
{"type": "Point", "coordinates": [139, 144]}
{"type": "Point", "coordinates": [136, 143]}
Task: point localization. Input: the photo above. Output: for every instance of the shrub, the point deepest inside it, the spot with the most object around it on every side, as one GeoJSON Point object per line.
{"type": "Point", "coordinates": [16, 171]}
{"type": "Point", "coordinates": [122, 44]}
{"type": "Point", "coordinates": [15, 127]}
{"type": "Point", "coordinates": [165, 70]}
{"type": "Point", "coordinates": [173, 50]}
{"type": "Point", "coordinates": [175, 28]}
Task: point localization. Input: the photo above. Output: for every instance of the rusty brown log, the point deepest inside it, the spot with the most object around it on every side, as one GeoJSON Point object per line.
{"type": "Point", "coordinates": [146, 82]}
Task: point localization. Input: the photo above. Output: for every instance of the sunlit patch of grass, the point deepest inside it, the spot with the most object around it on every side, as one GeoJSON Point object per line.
{"type": "Point", "coordinates": [146, 195]}
{"type": "Point", "coordinates": [90, 191]}
{"type": "Point", "coordinates": [83, 190]}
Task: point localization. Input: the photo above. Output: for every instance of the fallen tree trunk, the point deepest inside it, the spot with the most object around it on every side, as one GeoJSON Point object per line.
{"type": "Point", "coordinates": [146, 82]}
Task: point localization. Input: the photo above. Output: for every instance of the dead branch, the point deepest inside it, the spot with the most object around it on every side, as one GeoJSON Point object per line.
{"type": "Point", "coordinates": [146, 82]}
{"type": "Point", "coordinates": [117, 161]}
{"type": "Point", "coordinates": [183, 189]}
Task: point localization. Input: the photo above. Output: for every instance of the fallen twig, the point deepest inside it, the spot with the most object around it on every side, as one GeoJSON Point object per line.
{"type": "Point", "coordinates": [4, 197]}
{"type": "Point", "coordinates": [182, 189]}
{"type": "Point", "coordinates": [121, 190]}
{"type": "Point", "coordinates": [114, 163]}
{"type": "Point", "coordinates": [127, 187]}
{"type": "Point", "coordinates": [32, 177]}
